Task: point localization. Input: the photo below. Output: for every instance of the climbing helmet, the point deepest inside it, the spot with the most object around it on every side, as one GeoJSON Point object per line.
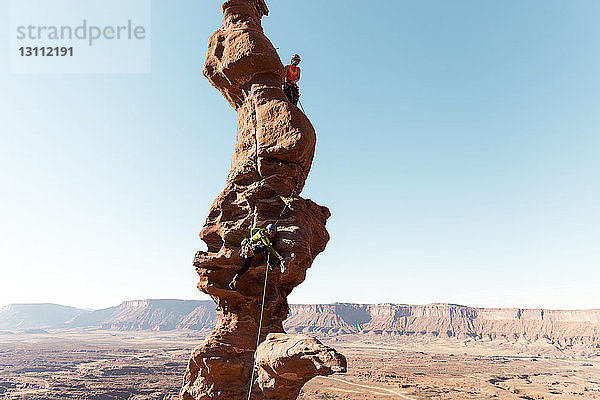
{"type": "Point", "coordinates": [271, 229]}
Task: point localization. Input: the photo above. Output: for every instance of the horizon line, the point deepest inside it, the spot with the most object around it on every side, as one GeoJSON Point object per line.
{"type": "Point", "coordinates": [311, 304]}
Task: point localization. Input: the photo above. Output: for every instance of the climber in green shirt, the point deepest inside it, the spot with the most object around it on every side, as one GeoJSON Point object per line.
{"type": "Point", "coordinates": [259, 241]}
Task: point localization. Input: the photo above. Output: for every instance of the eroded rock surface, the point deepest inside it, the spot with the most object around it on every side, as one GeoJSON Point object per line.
{"type": "Point", "coordinates": [286, 362]}
{"type": "Point", "coordinates": [272, 158]}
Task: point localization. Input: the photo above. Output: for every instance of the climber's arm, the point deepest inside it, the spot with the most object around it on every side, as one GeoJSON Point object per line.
{"type": "Point", "coordinates": [267, 243]}
{"type": "Point", "coordinates": [274, 252]}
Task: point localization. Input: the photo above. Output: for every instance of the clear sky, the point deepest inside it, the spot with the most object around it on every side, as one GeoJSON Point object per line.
{"type": "Point", "coordinates": [458, 150]}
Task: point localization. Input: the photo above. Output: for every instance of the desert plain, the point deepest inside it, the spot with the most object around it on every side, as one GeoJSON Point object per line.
{"type": "Point", "coordinates": [144, 365]}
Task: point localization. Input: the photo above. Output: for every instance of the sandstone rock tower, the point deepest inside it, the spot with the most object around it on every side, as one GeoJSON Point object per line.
{"type": "Point", "coordinates": [273, 155]}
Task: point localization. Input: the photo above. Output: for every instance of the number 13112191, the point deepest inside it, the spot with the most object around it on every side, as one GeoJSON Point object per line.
{"type": "Point", "coordinates": [46, 51]}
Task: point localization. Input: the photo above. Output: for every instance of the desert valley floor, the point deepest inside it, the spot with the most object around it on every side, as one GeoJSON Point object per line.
{"type": "Point", "coordinates": [104, 365]}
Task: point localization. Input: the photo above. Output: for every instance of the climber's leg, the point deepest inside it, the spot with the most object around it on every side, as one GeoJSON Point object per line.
{"type": "Point", "coordinates": [245, 267]}
{"type": "Point", "coordinates": [288, 92]}
{"type": "Point", "coordinates": [295, 95]}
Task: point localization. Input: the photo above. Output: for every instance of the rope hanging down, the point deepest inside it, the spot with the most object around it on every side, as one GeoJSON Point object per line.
{"type": "Point", "coordinates": [286, 205]}
{"type": "Point", "coordinates": [262, 310]}
{"type": "Point", "coordinates": [302, 108]}
{"type": "Point", "coordinates": [264, 295]}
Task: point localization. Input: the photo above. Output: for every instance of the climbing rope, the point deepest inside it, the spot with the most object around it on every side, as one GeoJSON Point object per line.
{"type": "Point", "coordinates": [302, 108]}
{"type": "Point", "coordinates": [286, 205]}
{"type": "Point", "coordinates": [264, 295]}
{"type": "Point", "coordinates": [262, 310]}
{"type": "Point", "coordinates": [255, 122]}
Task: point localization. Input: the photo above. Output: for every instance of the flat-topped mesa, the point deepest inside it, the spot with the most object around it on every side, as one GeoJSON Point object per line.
{"type": "Point", "coordinates": [272, 158]}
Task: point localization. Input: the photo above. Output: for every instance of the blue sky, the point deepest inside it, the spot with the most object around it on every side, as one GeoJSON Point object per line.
{"type": "Point", "coordinates": [457, 150]}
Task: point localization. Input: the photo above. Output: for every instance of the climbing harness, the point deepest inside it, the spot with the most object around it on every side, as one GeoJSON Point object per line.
{"type": "Point", "coordinates": [248, 248]}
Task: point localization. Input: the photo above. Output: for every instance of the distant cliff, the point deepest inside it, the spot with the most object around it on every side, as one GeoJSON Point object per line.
{"type": "Point", "coordinates": [129, 315]}
{"type": "Point", "coordinates": [35, 316]}
{"type": "Point", "coordinates": [157, 315]}
{"type": "Point", "coordinates": [561, 328]}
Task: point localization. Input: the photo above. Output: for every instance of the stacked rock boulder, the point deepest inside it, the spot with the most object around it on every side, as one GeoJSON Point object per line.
{"type": "Point", "coordinates": [273, 154]}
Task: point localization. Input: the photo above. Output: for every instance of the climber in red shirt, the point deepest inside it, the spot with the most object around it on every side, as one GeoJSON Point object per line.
{"type": "Point", "coordinates": [292, 76]}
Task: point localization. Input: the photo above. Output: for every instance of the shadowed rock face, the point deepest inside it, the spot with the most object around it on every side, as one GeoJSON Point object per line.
{"type": "Point", "coordinates": [272, 158]}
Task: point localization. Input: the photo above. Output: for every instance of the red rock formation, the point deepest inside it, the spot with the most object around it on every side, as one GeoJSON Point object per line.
{"type": "Point", "coordinates": [273, 155]}
{"type": "Point", "coordinates": [286, 362]}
